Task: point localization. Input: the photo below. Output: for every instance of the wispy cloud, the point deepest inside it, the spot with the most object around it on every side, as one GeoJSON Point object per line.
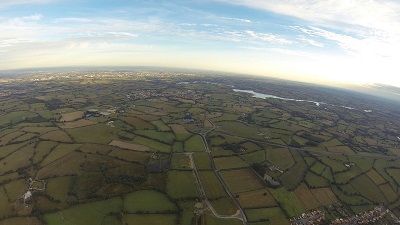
{"type": "Point", "coordinates": [370, 27]}
{"type": "Point", "coordinates": [309, 41]}
{"type": "Point", "coordinates": [364, 46]}
{"type": "Point", "coordinates": [268, 37]}
{"type": "Point", "coordinates": [373, 14]}
{"type": "Point", "coordinates": [236, 19]}
{"type": "Point", "coordinates": [8, 3]}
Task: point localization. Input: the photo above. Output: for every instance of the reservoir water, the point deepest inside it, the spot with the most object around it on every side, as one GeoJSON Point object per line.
{"type": "Point", "coordinates": [265, 96]}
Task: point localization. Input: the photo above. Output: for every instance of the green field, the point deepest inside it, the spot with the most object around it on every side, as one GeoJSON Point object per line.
{"type": "Point", "coordinates": [148, 201]}
{"type": "Point", "coordinates": [180, 185]}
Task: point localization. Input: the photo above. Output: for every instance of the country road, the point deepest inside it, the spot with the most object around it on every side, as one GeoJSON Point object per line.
{"type": "Point", "coordinates": [204, 196]}
{"type": "Point", "coordinates": [240, 214]}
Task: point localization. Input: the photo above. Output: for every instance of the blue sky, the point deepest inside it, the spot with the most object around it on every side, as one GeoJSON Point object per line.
{"type": "Point", "coordinates": [324, 41]}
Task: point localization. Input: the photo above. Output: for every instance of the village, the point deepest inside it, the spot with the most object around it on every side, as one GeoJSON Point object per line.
{"type": "Point", "coordinates": [373, 216]}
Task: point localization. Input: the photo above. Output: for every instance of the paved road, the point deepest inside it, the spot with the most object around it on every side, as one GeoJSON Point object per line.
{"type": "Point", "coordinates": [203, 195]}
{"type": "Point", "coordinates": [240, 213]}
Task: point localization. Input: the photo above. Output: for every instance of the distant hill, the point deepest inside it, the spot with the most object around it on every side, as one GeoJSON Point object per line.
{"type": "Point", "coordinates": [381, 90]}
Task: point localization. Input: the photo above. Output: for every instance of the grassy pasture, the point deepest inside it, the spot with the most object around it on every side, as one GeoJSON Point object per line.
{"type": "Point", "coordinates": [239, 129]}
{"type": "Point", "coordinates": [165, 137]}
{"type": "Point", "coordinates": [15, 117]}
{"type": "Point", "coordinates": [150, 219]}
{"type": "Point", "coordinates": [395, 173]}
{"type": "Point", "coordinates": [153, 144]}
{"type": "Point", "coordinates": [58, 136]}
{"type": "Point", "coordinates": [346, 176]}
{"type": "Point", "coordinates": [327, 174]}
{"type": "Point", "coordinates": [91, 213]}
{"type": "Point", "coordinates": [21, 221]}
{"type": "Point", "coordinates": [58, 187]}
{"type": "Point", "coordinates": [380, 166]}
{"type": "Point", "coordinates": [366, 187]}
{"type": "Point", "coordinates": [180, 162]}
{"type": "Point", "coordinates": [202, 160]}
{"type": "Point", "coordinates": [306, 197]}
{"type": "Point", "coordinates": [224, 206]}
{"type": "Point", "coordinates": [194, 144]}
{"type": "Point", "coordinates": [242, 180]}
{"type": "Point", "coordinates": [280, 157]}
{"type": "Point", "coordinates": [232, 162]}
{"type": "Point", "coordinates": [212, 220]}
{"type": "Point", "coordinates": [333, 142]}
{"type": "Point", "coordinates": [77, 124]}
{"type": "Point", "coordinates": [268, 216]}
{"type": "Point", "coordinates": [129, 146]}
{"type": "Point", "coordinates": [8, 149]}
{"type": "Point", "coordinates": [211, 185]}
{"type": "Point", "coordinates": [257, 199]}
{"type": "Point", "coordinates": [17, 159]}
{"type": "Point", "coordinates": [254, 157]}
{"type": "Point", "coordinates": [294, 176]}
{"type": "Point", "coordinates": [138, 123]}
{"type": "Point", "coordinates": [318, 168]}
{"type": "Point", "coordinates": [187, 212]}
{"type": "Point", "coordinates": [39, 129]}
{"type": "Point", "coordinates": [227, 117]}
{"type": "Point", "coordinates": [24, 137]}
{"type": "Point", "coordinates": [132, 156]}
{"type": "Point", "coordinates": [388, 192]}
{"type": "Point", "coordinates": [251, 146]}
{"type": "Point", "coordinates": [66, 166]}
{"type": "Point", "coordinates": [99, 133]}
{"type": "Point", "coordinates": [177, 147]}
{"type": "Point", "coordinates": [148, 201]}
{"type": "Point", "coordinates": [288, 201]}
{"type": "Point", "coordinates": [148, 117]}
{"type": "Point", "coordinates": [96, 148]}
{"type": "Point", "coordinates": [335, 164]}
{"type": "Point", "coordinates": [58, 152]}
{"type": "Point", "coordinates": [15, 189]}
{"type": "Point", "coordinates": [9, 137]}
{"type": "Point", "coordinates": [6, 208]}
{"type": "Point", "coordinates": [340, 149]}
{"type": "Point", "coordinates": [9, 177]}
{"type": "Point", "coordinates": [180, 132]}
{"type": "Point", "coordinates": [349, 200]}
{"type": "Point", "coordinates": [181, 185]}
{"type": "Point", "coordinates": [161, 126]}
{"type": "Point", "coordinates": [325, 196]}
{"type": "Point", "coordinates": [364, 163]}
{"type": "Point", "coordinates": [287, 125]}
{"type": "Point", "coordinates": [72, 116]}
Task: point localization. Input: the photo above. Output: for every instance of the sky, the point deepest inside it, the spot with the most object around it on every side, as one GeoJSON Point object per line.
{"type": "Point", "coordinates": [322, 41]}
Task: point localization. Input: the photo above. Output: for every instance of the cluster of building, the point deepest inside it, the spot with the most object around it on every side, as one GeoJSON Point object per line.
{"type": "Point", "coordinates": [143, 94]}
{"type": "Point", "coordinates": [275, 168]}
{"type": "Point", "coordinates": [5, 93]}
{"type": "Point", "coordinates": [367, 217]}
{"type": "Point", "coordinates": [271, 181]}
{"type": "Point", "coordinates": [33, 186]}
{"type": "Point", "coordinates": [97, 113]}
{"type": "Point", "coordinates": [184, 94]}
{"type": "Point", "coordinates": [349, 164]}
{"type": "Point", "coordinates": [311, 218]}
{"type": "Point", "coordinates": [97, 75]}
